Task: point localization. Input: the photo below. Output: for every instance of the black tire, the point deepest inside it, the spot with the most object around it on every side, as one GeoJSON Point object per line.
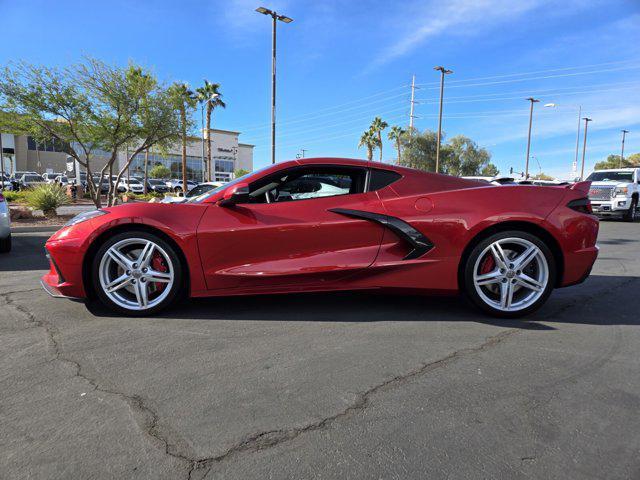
{"type": "Point", "coordinates": [5, 244]}
{"type": "Point", "coordinates": [631, 214]}
{"type": "Point", "coordinates": [178, 270]}
{"type": "Point", "coordinates": [468, 286]}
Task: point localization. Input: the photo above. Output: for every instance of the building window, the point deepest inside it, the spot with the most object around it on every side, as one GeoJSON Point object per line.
{"type": "Point", "coordinates": [52, 145]}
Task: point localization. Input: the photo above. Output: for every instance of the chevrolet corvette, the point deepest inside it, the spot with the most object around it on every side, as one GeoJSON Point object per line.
{"type": "Point", "coordinates": [332, 224]}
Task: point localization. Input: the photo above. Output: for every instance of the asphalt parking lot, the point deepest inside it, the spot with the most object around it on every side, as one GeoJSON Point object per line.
{"type": "Point", "coordinates": [323, 386]}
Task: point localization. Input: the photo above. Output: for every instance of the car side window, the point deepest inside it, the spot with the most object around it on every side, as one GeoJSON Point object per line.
{"type": "Point", "coordinates": [308, 183]}
{"type": "Point", "coordinates": [382, 178]}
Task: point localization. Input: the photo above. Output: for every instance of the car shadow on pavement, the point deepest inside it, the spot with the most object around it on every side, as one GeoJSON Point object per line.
{"type": "Point", "coordinates": [347, 307]}
{"type": "Point", "coordinates": [27, 253]}
{"type": "Point", "coordinates": [572, 305]}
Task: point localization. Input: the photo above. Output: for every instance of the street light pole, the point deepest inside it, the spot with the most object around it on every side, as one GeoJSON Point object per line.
{"type": "Point", "coordinates": [526, 168]}
{"type": "Point", "coordinates": [575, 160]}
{"type": "Point", "coordinates": [443, 71]}
{"type": "Point", "coordinates": [584, 146]}
{"type": "Point", "coordinates": [285, 19]}
{"type": "Point", "coordinates": [204, 173]}
{"type": "Point", "coordinates": [624, 134]}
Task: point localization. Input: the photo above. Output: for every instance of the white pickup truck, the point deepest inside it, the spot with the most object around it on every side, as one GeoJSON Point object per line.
{"type": "Point", "coordinates": [615, 192]}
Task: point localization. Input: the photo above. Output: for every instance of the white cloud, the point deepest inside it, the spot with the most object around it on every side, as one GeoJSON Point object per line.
{"type": "Point", "coordinates": [434, 20]}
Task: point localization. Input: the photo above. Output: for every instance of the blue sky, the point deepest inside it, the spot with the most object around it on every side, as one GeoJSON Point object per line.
{"type": "Point", "coordinates": [343, 62]}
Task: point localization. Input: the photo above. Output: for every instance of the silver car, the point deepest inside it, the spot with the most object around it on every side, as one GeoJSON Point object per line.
{"type": "Point", "coordinates": [5, 226]}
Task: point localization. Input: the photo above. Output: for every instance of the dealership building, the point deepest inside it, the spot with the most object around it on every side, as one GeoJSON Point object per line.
{"type": "Point", "coordinates": [23, 153]}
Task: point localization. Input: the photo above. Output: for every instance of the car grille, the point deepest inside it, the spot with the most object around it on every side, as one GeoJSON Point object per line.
{"type": "Point", "coordinates": [600, 193]}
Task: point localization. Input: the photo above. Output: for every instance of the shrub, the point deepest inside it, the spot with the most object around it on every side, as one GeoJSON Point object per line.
{"type": "Point", "coordinates": [159, 171]}
{"type": "Point", "coordinates": [47, 198]}
{"type": "Point", "coordinates": [12, 196]}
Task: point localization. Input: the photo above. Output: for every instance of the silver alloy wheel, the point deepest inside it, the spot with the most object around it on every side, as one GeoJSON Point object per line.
{"type": "Point", "coordinates": [127, 277]}
{"type": "Point", "coordinates": [519, 277]}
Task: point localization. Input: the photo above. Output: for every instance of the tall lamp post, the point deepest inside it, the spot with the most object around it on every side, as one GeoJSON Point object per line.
{"type": "Point", "coordinates": [526, 167]}
{"type": "Point", "coordinates": [575, 161]}
{"type": "Point", "coordinates": [285, 19]}
{"type": "Point", "coordinates": [443, 71]}
{"type": "Point", "coordinates": [584, 146]}
{"type": "Point", "coordinates": [624, 134]}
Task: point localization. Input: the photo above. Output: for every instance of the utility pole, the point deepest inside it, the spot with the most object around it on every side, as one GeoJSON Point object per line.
{"type": "Point", "coordinates": [526, 167]}
{"type": "Point", "coordinates": [206, 176]}
{"type": "Point", "coordinates": [624, 134]}
{"type": "Point", "coordinates": [285, 19]}
{"type": "Point", "coordinates": [443, 71]}
{"type": "Point", "coordinates": [1, 164]}
{"type": "Point", "coordinates": [413, 102]}
{"type": "Point", "coordinates": [584, 146]}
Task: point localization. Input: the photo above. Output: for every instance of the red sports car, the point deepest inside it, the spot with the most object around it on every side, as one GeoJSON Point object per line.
{"type": "Point", "coordinates": [332, 224]}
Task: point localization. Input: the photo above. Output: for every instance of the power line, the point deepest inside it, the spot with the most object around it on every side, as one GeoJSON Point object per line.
{"type": "Point", "coordinates": [515, 80]}
{"type": "Point", "coordinates": [536, 72]}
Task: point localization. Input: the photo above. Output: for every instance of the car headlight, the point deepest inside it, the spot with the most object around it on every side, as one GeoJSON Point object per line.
{"type": "Point", "coordinates": [620, 191]}
{"type": "Point", "coordinates": [84, 216]}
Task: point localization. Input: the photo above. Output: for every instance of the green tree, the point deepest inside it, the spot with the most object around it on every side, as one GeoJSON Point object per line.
{"type": "Point", "coordinates": [370, 141]}
{"type": "Point", "coordinates": [184, 101]}
{"type": "Point", "coordinates": [489, 170]}
{"type": "Point", "coordinates": [88, 107]}
{"type": "Point", "coordinates": [395, 135]}
{"type": "Point", "coordinates": [542, 176]}
{"type": "Point", "coordinates": [377, 126]}
{"type": "Point", "coordinates": [160, 171]}
{"type": "Point", "coordinates": [210, 95]}
{"type": "Point", "coordinates": [419, 150]}
{"type": "Point", "coordinates": [465, 157]}
{"type": "Point", "coordinates": [613, 161]}
{"type": "Point", "coordinates": [240, 172]}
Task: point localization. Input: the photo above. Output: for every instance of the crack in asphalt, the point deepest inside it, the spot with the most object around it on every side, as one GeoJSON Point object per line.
{"type": "Point", "coordinates": [136, 403]}
{"type": "Point", "coordinates": [267, 439]}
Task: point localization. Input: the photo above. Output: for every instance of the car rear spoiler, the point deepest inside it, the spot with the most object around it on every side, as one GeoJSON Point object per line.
{"type": "Point", "coordinates": [582, 187]}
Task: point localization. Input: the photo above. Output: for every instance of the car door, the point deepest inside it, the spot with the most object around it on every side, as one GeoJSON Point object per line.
{"type": "Point", "coordinates": [287, 234]}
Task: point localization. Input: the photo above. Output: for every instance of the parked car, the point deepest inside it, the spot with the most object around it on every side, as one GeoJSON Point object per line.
{"type": "Point", "coordinates": [132, 185]}
{"type": "Point", "coordinates": [50, 177]}
{"type": "Point", "coordinates": [5, 225]}
{"type": "Point", "coordinates": [615, 192]}
{"type": "Point", "coordinates": [17, 176]}
{"type": "Point", "coordinates": [5, 183]}
{"type": "Point", "coordinates": [29, 180]}
{"type": "Point", "coordinates": [199, 189]}
{"type": "Point", "coordinates": [175, 185]}
{"type": "Point", "coordinates": [61, 180]}
{"type": "Point", "coordinates": [385, 227]}
{"type": "Point", "coordinates": [157, 185]}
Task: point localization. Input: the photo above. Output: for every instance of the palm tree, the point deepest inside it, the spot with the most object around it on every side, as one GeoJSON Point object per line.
{"type": "Point", "coordinates": [377, 126]}
{"type": "Point", "coordinates": [369, 140]}
{"type": "Point", "coordinates": [184, 99]}
{"type": "Point", "coordinates": [395, 135]}
{"type": "Point", "coordinates": [210, 94]}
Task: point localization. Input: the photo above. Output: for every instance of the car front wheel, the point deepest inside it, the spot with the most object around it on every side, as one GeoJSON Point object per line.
{"type": "Point", "coordinates": [510, 274]}
{"type": "Point", "coordinates": [136, 273]}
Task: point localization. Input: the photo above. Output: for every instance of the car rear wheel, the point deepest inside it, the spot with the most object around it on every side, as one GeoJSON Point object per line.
{"type": "Point", "coordinates": [5, 244]}
{"type": "Point", "coordinates": [136, 273]}
{"type": "Point", "coordinates": [510, 274]}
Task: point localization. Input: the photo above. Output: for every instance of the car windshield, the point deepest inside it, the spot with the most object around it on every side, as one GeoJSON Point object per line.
{"type": "Point", "coordinates": [32, 178]}
{"type": "Point", "coordinates": [611, 176]}
{"type": "Point", "coordinates": [134, 181]}
{"type": "Point", "coordinates": [210, 193]}
{"type": "Point", "coordinates": [156, 182]}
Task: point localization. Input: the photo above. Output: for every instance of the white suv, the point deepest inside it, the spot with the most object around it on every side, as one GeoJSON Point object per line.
{"type": "Point", "coordinates": [614, 192]}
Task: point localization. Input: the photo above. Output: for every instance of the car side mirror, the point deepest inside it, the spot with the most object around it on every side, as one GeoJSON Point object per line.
{"type": "Point", "coordinates": [238, 193]}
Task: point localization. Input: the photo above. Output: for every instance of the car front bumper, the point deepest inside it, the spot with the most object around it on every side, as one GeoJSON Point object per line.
{"type": "Point", "coordinates": [64, 278]}
{"type": "Point", "coordinates": [610, 208]}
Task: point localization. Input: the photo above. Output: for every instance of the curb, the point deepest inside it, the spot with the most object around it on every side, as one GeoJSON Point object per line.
{"type": "Point", "coordinates": [37, 229]}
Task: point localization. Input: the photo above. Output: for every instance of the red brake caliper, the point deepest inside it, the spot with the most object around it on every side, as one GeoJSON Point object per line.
{"type": "Point", "coordinates": [159, 265]}
{"type": "Point", "coordinates": [488, 264]}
